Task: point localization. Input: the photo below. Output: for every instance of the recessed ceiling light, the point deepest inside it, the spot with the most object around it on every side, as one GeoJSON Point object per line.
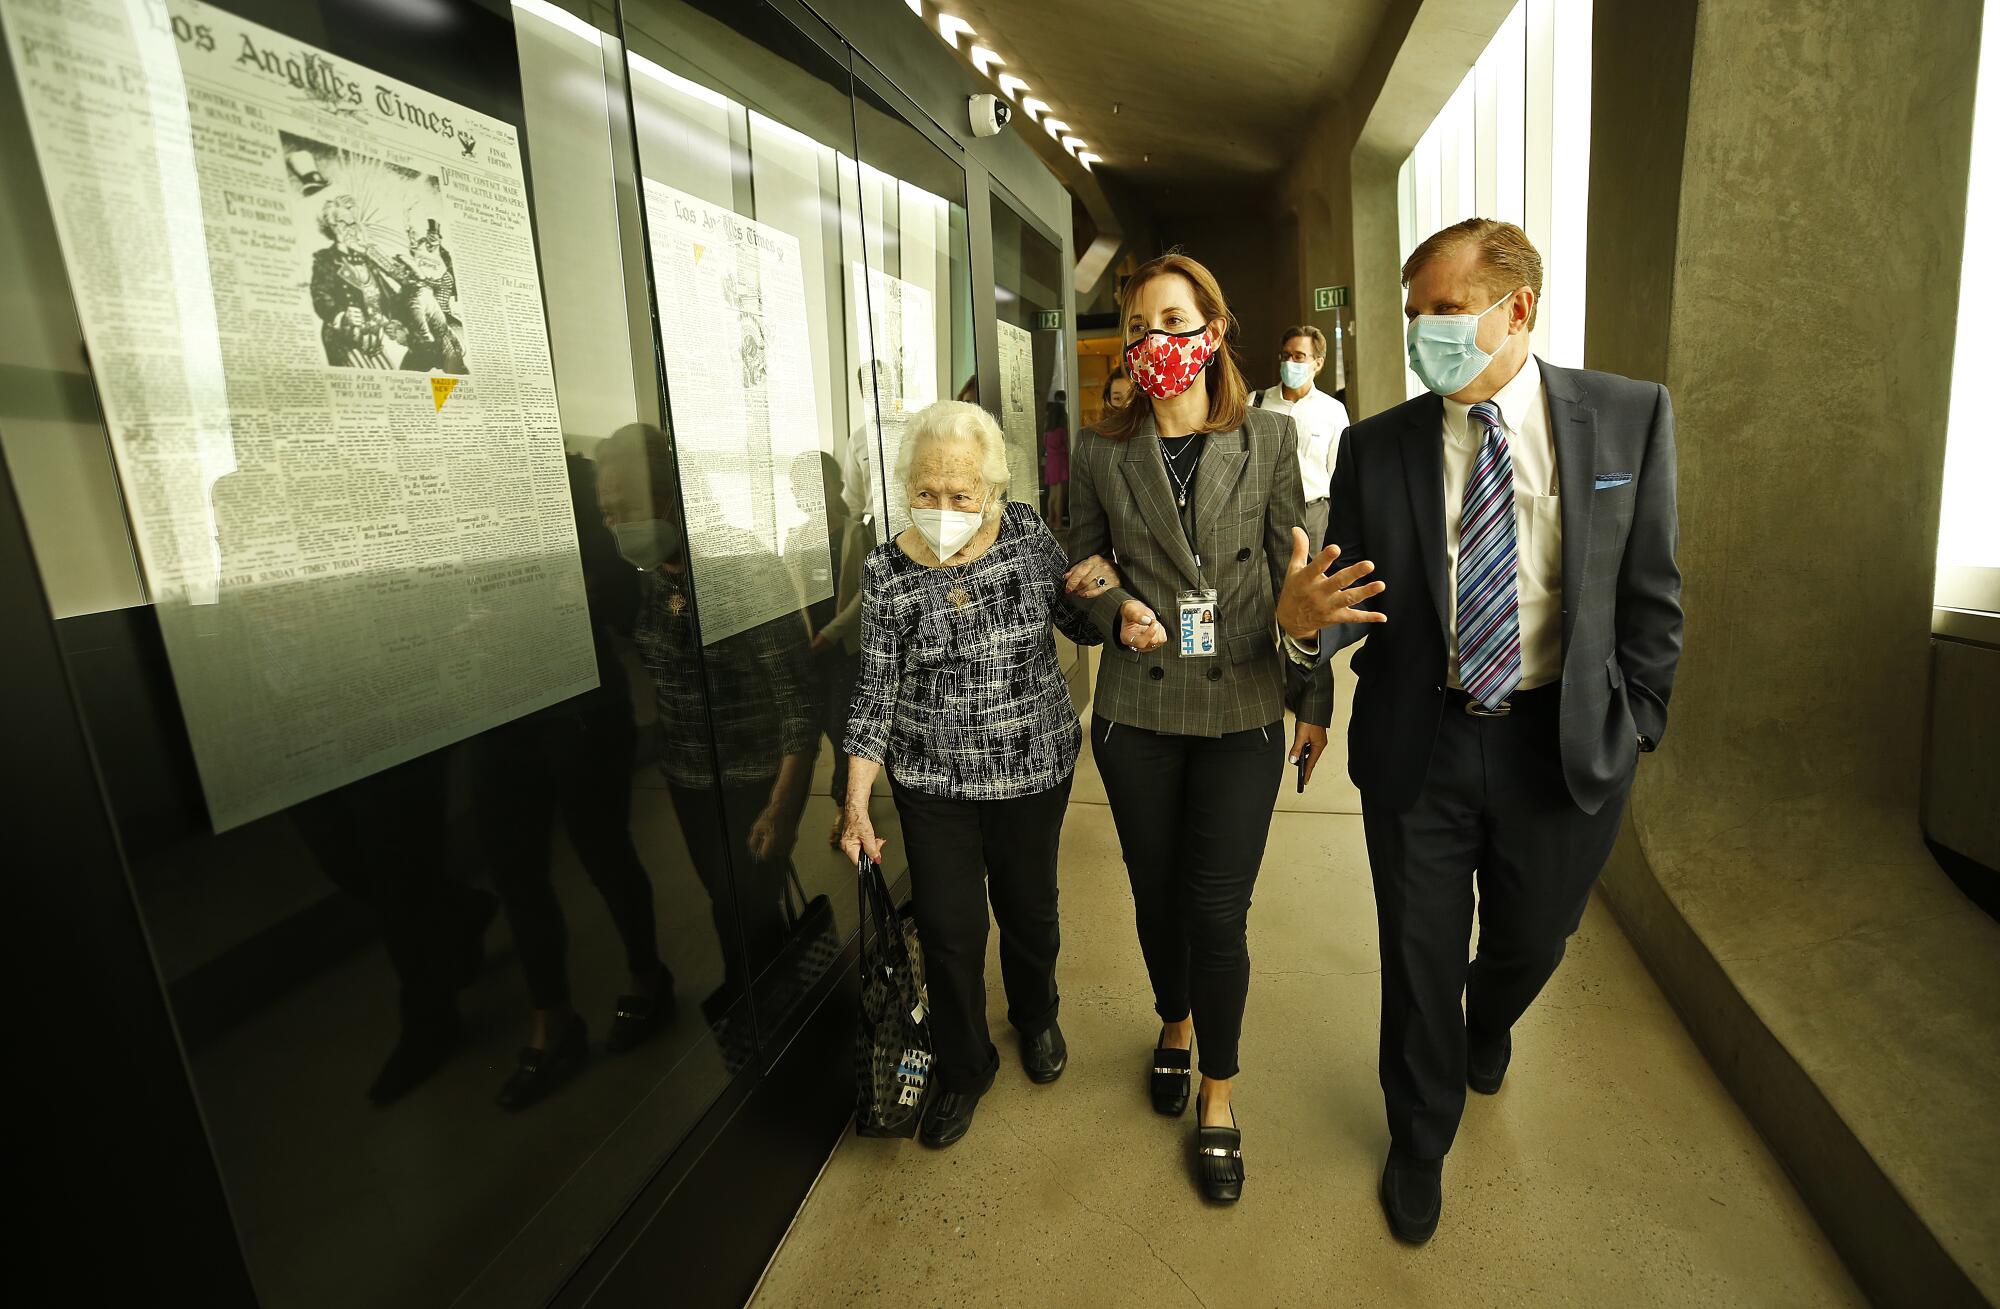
{"type": "Point", "coordinates": [1009, 84]}
{"type": "Point", "coordinates": [951, 27]}
{"type": "Point", "coordinates": [984, 59]}
{"type": "Point", "coordinates": [916, 7]}
{"type": "Point", "coordinates": [1055, 127]}
{"type": "Point", "coordinates": [1087, 159]}
{"type": "Point", "coordinates": [1072, 144]}
{"type": "Point", "coordinates": [1033, 108]}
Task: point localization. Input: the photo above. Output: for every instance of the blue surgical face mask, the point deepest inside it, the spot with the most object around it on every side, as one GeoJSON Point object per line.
{"type": "Point", "coordinates": [1294, 373]}
{"type": "Point", "coordinates": [1444, 348]}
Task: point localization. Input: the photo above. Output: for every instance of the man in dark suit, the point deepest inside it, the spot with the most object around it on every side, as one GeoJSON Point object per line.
{"type": "Point", "coordinates": [1523, 519]}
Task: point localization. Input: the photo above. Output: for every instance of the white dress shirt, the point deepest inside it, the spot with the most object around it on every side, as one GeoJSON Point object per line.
{"type": "Point", "coordinates": [1524, 416]}
{"type": "Point", "coordinates": [1320, 419]}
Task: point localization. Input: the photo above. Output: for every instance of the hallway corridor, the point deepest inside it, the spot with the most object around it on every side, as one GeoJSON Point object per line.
{"type": "Point", "coordinates": [1612, 1169]}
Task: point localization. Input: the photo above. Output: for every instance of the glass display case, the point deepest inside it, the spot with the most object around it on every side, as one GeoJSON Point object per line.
{"type": "Point", "coordinates": [448, 493]}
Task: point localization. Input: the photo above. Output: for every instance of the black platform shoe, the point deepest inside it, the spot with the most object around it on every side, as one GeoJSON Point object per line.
{"type": "Point", "coordinates": [1045, 1055]}
{"type": "Point", "coordinates": [947, 1117]}
{"type": "Point", "coordinates": [1486, 1061]}
{"type": "Point", "coordinates": [542, 1071]}
{"type": "Point", "coordinates": [1219, 1160]}
{"type": "Point", "coordinates": [1171, 1080]}
{"type": "Point", "coordinates": [636, 1017]}
{"type": "Point", "coordinates": [1411, 1196]}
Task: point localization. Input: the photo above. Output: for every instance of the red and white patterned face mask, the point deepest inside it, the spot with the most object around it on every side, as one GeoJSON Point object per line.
{"type": "Point", "coordinates": [1164, 364]}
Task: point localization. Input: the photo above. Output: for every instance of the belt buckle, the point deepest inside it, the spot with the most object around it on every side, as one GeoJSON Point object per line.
{"type": "Point", "coordinates": [1478, 710]}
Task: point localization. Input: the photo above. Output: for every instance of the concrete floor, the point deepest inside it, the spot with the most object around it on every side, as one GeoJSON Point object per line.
{"type": "Point", "coordinates": [1612, 1169]}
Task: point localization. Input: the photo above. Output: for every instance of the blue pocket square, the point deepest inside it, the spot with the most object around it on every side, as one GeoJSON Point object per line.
{"type": "Point", "coordinates": [1608, 481]}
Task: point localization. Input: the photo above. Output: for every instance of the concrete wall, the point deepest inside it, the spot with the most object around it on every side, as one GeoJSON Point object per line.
{"type": "Point", "coordinates": [1777, 202]}
{"type": "Point", "coordinates": [1420, 54]}
{"type": "Point", "coordinates": [1238, 249]}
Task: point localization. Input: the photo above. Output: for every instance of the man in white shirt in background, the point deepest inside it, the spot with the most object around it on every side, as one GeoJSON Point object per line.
{"type": "Point", "coordinates": [1320, 418]}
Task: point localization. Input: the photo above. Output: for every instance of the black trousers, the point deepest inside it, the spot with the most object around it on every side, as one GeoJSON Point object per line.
{"type": "Point", "coordinates": [1193, 813]}
{"type": "Point", "coordinates": [1494, 812]}
{"type": "Point", "coordinates": [1015, 840]}
{"type": "Point", "coordinates": [383, 840]}
{"type": "Point", "coordinates": [577, 761]}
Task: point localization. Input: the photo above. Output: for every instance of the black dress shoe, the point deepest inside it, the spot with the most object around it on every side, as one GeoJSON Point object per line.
{"type": "Point", "coordinates": [1486, 1061]}
{"type": "Point", "coordinates": [1219, 1160]}
{"type": "Point", "coordinates": [636, 1017]}
{"type": "Point", "coordinates": [421, 1049]}
{"type": "Point", "coordinates": [947, 1117]}
{"type": "Point", "coordinates": [542, 1071]}
{"type": "Point", "coordinates": [1411, 1196]}
{"type": "Point", "coordinates": [1171, 1079]}
{"type": "Point", "coordinates": [1045, 1055]}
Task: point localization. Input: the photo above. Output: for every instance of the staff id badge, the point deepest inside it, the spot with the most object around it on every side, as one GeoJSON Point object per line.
{"type": "Point", "coordinates": [1197, 624]}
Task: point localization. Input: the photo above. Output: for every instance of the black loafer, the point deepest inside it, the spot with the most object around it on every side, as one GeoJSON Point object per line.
{"type": "Point", "coordinates": [1171, 1079]}
{"type": "Point", "coordinates": [1411, 1196]}
{"type": "Point", "coordinates": [1219, 1161]}
{"type": "Point", "coordinates": [946, 1118]}
{"type": "Point", "coordinates": [1045, 1055]}
{"type": "Point", "coordinates": [1486, 1061]}
{"type": "Point", "coordinates": [636, 1017]}
{"type": "Point", "coordinates": [542, 1071]}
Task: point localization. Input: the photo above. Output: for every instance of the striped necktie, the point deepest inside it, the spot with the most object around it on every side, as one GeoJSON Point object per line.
{"type": "Point", "coordinates": [1489, 621]}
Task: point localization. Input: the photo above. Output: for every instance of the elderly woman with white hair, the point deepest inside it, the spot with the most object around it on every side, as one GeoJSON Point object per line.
{"type": "Point", "coordinates": [961, 698]}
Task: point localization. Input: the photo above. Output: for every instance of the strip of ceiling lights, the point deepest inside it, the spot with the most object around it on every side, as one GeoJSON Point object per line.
{"type": "Point", "coordinates": [952, 30]}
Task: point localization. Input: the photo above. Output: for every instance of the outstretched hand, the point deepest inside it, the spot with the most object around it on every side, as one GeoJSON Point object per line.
{"type": "Point", "coordinates": [1311, 598]}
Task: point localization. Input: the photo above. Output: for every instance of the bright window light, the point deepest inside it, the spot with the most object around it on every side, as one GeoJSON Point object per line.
{"type": "Point", "coordinates": [984, 59]}
{"type": "Point", "coordinates": [668, 78]}
{"type": "Point", "coordinates": [1968, 543]}
{"type": "Point", "coordinates": [1073, 144]}
{"type": "Point", "coordinates": [562, 18]}
{"type": "Point", "coordinates": [1055, 127]}
{"type": "Point", "coordinates": [916, 7]}
{"type": "Point", "coordinates": [1033, 108]}
{"type": "Point", "coordinates": [1009, 84]}
{"type": "Point", "coordinates": [951, 27]}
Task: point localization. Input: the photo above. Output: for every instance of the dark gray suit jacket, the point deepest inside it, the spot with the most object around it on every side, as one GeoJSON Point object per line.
{"type": "Point", "coordinates": [1246, 503]}
{"type": "Point", "coordinates": [1621, 610]}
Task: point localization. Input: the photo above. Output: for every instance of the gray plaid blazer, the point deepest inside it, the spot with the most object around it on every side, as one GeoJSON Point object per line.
{"type": "Point", "coordinates": [1246, 502]}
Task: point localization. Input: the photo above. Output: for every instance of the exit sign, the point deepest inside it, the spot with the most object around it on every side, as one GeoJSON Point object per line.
{"type": "Point", "coordinates": [1329, 297]}
{"type": "Point", "coordinates": [1048, 319]}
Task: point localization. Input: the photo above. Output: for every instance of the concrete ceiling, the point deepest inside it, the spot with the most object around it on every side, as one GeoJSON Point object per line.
{"type": "Point", "coordinates": [1174, 93]}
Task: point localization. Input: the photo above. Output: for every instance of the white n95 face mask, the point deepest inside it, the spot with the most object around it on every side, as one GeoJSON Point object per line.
{"type": "Point", "coordinates": [946, 530]}
{"type": "Point", "coordinates": [1444, 348]}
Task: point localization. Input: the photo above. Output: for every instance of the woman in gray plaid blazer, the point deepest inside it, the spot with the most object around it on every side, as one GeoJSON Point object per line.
{"type": "Point", "coordinates": [1195, 495]}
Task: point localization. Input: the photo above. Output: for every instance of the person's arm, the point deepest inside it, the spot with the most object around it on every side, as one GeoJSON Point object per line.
{"type": "Point", "coordinates": [1067, 613]}
{"type": "Point", "coordinates": [875, 689]}
{"type": "Point", "coordinates": [1649, 582]}
{"type": "Point", "coordinates": [1310, 697]}
{"type": "Point", "coordinates": [881, 672]}
{"type": "Point", "coordinates": [1090, 534]}
{"type": "Point", "coordinates": [857, 826]}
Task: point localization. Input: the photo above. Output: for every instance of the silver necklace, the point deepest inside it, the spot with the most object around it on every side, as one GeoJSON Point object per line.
{"type": "Point", "coordinates": [1181, 484]}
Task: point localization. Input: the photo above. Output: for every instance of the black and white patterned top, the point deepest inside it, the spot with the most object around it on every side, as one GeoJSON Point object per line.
{"type": "Point", "coordinates": [757, 692]}
{"type": "Point", "coordinates": [960, 694]}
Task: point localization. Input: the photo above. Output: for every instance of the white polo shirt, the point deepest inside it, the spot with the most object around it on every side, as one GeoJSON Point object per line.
{"type": "Point", "coordinates": [1320, 419]}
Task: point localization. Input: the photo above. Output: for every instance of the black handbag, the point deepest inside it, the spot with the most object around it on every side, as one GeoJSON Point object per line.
{"type": "Point", "coordinates": [892, 1052]}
